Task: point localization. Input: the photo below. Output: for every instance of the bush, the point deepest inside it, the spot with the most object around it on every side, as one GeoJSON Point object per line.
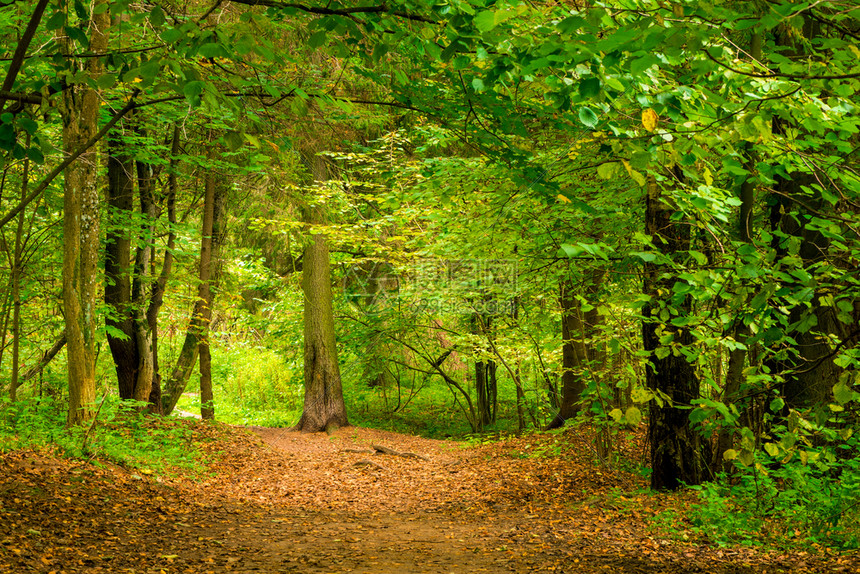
{"type": "Point", "coordinates": [812, 498]}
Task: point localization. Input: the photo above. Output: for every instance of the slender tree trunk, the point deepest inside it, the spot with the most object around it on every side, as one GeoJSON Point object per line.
{"type": "Point", "coordinates": [156, 298]}
{"type": "Point", "coordinates": [47, 357]}
{"type": "Point", "coordinates": [118, 267]}
{"type": "Point", "coordinates": [198, 324]}
{"type": "Point", "coordinates": [573, 355]}
{"type": "Point", "coordinates": [737, 357]}
{"type": "Point", "coordinates": [206, 294]}
{"type": "Point", "coordinates": [324, 408]}
{"type": "Point", "coordinates": [17, 270]}
{"type": "Point", "coordinates": [80, 105]}
{"type": "Point", "coordinates": [677, 451]}
{"type": "Point", "coordinates": [142, 281]}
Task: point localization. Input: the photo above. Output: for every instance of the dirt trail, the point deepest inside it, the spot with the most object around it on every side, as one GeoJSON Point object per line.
{"type": "Point", "coordinates": [288, 502]}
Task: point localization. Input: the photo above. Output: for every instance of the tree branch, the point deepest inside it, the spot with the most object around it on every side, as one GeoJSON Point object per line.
{"type": "Point", "coordinates": [779, 74]}
{"type": "Point", "coordinates": [68, 161]}
{"type": "Point", "coordinates": [381, 9]}
{"type": "Point", "coordinates": [21, 48]}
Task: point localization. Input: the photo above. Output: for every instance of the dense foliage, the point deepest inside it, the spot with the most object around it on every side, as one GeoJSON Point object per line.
{"type": "Point", "coordinates": [631, 212]}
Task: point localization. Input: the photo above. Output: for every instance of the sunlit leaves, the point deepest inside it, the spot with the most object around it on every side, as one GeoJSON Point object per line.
{"type": "Point", "coordinates": [587, 117]}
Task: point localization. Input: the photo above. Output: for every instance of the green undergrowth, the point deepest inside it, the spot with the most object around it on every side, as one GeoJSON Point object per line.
{"type": "Point", "coordinates": [793, 506]}
{"type": "Point", "coordinates": [120, 435]}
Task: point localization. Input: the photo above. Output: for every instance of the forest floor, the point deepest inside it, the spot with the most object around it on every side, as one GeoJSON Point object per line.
{"type": "Point", "coordinates": [280, 501]}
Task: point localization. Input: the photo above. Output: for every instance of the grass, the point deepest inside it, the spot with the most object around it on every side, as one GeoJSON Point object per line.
{"type": "Point", "coordinates": [120, 434]}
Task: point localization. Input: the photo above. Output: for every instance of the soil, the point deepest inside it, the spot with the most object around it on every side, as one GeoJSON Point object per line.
{"type": "Point", "coordinates": [279, 501]}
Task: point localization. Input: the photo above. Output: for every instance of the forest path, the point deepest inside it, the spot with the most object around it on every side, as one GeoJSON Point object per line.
{"type": "Point", "coordinates": [280, 501]}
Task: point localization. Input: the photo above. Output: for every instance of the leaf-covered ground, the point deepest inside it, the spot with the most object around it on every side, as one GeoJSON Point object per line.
{"type": "Point", "coordinates": [278, 501]}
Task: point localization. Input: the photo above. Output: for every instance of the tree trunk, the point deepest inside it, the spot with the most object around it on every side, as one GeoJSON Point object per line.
{"type": "Point", "coordinates": [47, 357]}
{"type": "Point", "coordinates": [118, 268]}
{"type": "Point", "coordinates": [677, 452]}
{"type": "Point", "coordinates": [573, 355]}
{"type": "Point", "coordinates": [324, 408]}
{"type": "Point", "coordinates": [486, 390]}
{"type": "Point", "coordinates": [17, 271]}
{"type": "Point", "coordinates": [127, 286]}
{"type": "Point", "coordinates": [156, 298]}
{"type": "Point", "coordinates": [80, 107]}
{"type": "Point", "coordinates": [209, 254]}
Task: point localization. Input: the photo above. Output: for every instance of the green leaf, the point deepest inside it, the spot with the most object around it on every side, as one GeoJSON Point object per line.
{"type": "Point", "coordinates": [567, 250]}
{"type": "Point", "coordinates": [700, 257]}
{"type": "Point", "coordinates": [212, 50]}
{"type": "Point", "coordinates": [156, 16]}
{"type": "Point", "coordinates": [587, 117]}
{"type": "Point", "coordinates": [633, 416]}
{"type": "Point", "coordinates": [56, 21]}
{"type": "Point", "coordinates": [28, 125]}
{"type": "Point", "coordinates": [589, 87]}
{"type": "Point", "coordinates": [842, 393]}
{"type": "Point", "coordinates": [485, 21]}
{"type": "Point", "coordinates": [106, 81]}
{"type": "Point", "coordinates": [317, 39]}
{"type": "Point", "coordinates": [36, 155]}
{"type": "Point", "coordinates": [192, 91]}
{"type": "Point", "coordinates": [489, 19]}
{"type": "Point", "coordinates": [607, 170]}
{"type": "Point", "coordinates": [172, 35]}
{"type": "Point", "coordinates": [234, 140]}
{"type": "Point", "coordinates": [776, 405]}
{"type": "Point", "coordinates": [478, 84]}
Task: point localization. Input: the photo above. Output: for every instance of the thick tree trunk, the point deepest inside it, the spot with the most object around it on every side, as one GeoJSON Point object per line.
{"type": "Point", "coordinates": [80, 107]}
{"type": "Point", "coordinates": [810, 375]}
{"type": "Point", "coordinates": [677, 451]}
{"type": "Point", "coordinates": [324, 408]}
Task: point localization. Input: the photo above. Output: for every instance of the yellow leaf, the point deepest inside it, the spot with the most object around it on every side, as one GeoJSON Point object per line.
{"type": "Point", "coordinates": [649, 119]}
{"type": "Point", "coordinates": [637, 177]}
{"type": "Point", "coordinates": [562, 198]}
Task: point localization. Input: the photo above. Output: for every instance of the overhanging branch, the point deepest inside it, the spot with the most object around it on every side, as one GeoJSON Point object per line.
{"type": "Point", "coordinates": [326, 11]}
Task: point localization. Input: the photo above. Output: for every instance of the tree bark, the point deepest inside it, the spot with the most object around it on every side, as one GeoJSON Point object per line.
{"type": "Point", "coordinates": [324, 408]}
{"type": "Point", "coordinates": [574, 356]}
{"type": "Point", "coordinates": [677, 452]}
{"type": "Point", "coordinates": [118, 268]}
{"type": "Point", "coordinates": [17, 271]}
{"type": "Point", "coordinates": [80, 105]}
{"type": "Point", "coordinates": [209, 254]}
{"type": "Point", "coordinates": [156, 298]}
